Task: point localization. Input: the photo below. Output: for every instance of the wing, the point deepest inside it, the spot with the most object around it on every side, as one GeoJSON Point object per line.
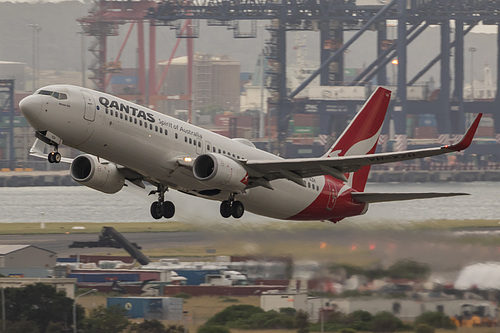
{"type": "Point", "coordinates": [385, 197]}
{"type": "Point", "coordinates": [296, 169]}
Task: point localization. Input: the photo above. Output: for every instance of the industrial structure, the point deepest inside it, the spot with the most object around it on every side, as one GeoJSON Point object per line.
{"type": "Point", "coordinates": [332, 19]}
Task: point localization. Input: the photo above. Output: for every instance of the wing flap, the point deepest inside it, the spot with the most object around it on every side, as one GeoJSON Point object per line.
{"type": "Point", "coordinates": [386, 197]}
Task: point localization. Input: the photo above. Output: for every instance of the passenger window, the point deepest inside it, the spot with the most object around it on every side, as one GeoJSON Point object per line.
{"type": "Point", "coordinates": [199, 144]}
{"type": "Point", "coordinates": [126, 118]}
{"type": "Point", "coordinates": [106, 111]}
{"type": "Point", "coordinates": [194, 142]}
{"type": "Point", "coordinates": [121, 115]}
{"type": "Point", "coordinates": [213, 149]}
{"type": "Point", "coordinates": [140, 122]}
{"type": "Point", "coordinates": [219, 151]}
{"type": "Point", "coordinates": [185, 139]}
{"type": "Point", "coordinates": [116, 114]}
{"type": "Point", "coordinates": [111, 112]}
{"type": "Point", "coordinates": [161, 130]}
{"type": "Point", "coordinates": [176, 136]}
{"type": "Point", "coordinates": [190, 141]}
{"type": "Point", "coordinates": [145, 125]}
{"type": "Point", "coordinates": [135, 120]}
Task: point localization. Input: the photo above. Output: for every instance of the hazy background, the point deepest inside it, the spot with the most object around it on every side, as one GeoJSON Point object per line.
{"type": "Point", "coordinates": [60, 45]}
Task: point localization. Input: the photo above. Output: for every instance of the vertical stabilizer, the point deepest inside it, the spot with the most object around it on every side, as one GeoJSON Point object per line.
{"type": "Point", "coordinates": [361, 136]}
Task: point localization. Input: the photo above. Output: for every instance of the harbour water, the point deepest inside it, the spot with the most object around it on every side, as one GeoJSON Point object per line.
{"type": "Point", "coordinates": [81, 204]}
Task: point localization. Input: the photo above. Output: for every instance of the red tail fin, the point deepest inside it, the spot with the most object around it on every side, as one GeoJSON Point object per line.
{"type": "Point", "coordinates": [361, 136]}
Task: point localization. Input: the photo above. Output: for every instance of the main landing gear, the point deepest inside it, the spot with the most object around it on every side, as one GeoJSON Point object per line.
{"type": "Point", "coordinates": [162, 208]}
{"type": "Point", "coordinates": [232, 208]}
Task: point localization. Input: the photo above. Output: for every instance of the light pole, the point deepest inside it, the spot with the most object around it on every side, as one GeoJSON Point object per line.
{"type": "Point", "coordinates": [36, 29]}
{"type": "Point", "coordinates": [82, 56]}
{"type": "Point", "coordinates": [472, 50]}
{"type": "Point", "coordinates": [3, 310]}
{"type": "Point", "coordinates": [74, 307]}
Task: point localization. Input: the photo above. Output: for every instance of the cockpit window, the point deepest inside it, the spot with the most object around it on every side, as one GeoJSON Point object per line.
{"type": "Point", "coordinates": [54, 94]}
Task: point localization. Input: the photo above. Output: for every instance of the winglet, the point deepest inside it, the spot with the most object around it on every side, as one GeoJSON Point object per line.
{"type": "Point", "coordinates": [469, 135]}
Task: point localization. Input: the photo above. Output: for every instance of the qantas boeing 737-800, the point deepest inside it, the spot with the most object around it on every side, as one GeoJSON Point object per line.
{"type": "Point", "coordinates": [125, 141]}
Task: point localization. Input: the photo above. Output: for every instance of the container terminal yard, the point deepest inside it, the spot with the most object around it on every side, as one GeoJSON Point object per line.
{"type": "Point", "coordinates": [292, 109]}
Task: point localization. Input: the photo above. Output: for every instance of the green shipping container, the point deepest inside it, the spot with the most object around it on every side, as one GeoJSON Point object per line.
{"type": "Point", "coordinates": [312, 131]}
{"type": "Point", "coordinates": [19, 121]}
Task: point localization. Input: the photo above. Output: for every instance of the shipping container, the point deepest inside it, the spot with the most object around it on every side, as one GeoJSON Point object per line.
{"type": "Point", "coordinates": [160, 308]}
{"type": "Point", "coordinates": [425, 132]}
{"type": "Point", "coordinates": [308, 131]}
{"type": "Point", "coordinates": [426, 120]}
{"type": "Point", "coordinates": [195, 277]}
{"type": "Point", "coordinates": [104, 277]}
{"type": "Point", "coordinates": [306, 120]}
{"type": "Point", "coordinates": [19, 121]}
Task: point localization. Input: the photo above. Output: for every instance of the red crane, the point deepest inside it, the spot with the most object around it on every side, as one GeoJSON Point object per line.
{"type": "Point", "coordinates": [103, 21]}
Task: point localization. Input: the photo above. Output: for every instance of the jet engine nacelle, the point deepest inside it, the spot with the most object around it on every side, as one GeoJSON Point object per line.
{"type": "Point", "coordinates": [89, 171]}
{"type": "Point", "coordinates": [221, 172]}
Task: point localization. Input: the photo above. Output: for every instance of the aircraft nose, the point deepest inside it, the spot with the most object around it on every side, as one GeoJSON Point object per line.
{"type": "Point", "coordinates": [31, 107]}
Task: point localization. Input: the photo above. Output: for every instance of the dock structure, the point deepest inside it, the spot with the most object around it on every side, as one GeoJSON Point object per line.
{"type": "Point", "coordinates": [63, 178]}
{"type": "Point", "coordinates": [23, 178]}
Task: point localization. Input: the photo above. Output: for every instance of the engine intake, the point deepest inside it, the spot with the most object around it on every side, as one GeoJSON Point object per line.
{"type": "Point", "coordinates": [221, 172]}
{"type": "Point", "coordinates": [104, 177]}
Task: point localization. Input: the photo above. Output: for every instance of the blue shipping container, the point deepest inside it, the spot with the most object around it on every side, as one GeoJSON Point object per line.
{"type": "Point", "coordinates": [168, 308]}
{"type": "Point", "coordinates": [427, 120]}
{"type": "Point", "coordinates": [196, 277]}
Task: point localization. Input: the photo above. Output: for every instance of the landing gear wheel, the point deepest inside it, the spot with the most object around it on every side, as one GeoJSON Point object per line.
{"type": "Point", "coordinates": [161, 208]}
{"type": "Point", "coordinates": [54, 157]}
{"type": "Point", "coordinates": [225, 209]}
{"type": "Point", "coordinates": [237, 209]}
{"type": "Point", "coordinates": [156, 210]}
{"type": "Point", "coordinates": [168, 209]}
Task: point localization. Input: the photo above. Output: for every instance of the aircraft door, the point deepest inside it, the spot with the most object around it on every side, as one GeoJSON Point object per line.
{"type": "Point", "coordinates": [199, 147]}
{"type": "Point", "coordinates": [89, 113]}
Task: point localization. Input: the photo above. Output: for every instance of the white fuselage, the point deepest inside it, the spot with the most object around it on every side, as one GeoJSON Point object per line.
{"type": "Point", "coordinates": [151, 144]}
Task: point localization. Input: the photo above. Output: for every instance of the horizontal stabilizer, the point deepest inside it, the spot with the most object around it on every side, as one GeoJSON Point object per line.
{"type": "Point", "coordinates": [384, 197]}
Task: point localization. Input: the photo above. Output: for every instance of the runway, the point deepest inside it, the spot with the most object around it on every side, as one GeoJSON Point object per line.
{"type": "Point", "coordinates": [148, 240]}
{"type": "Point", "coordinates": [442, 250]}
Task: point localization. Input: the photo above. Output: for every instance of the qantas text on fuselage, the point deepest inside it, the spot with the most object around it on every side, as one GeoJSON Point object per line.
{"type": "Point", "coordinates": [122, 141]}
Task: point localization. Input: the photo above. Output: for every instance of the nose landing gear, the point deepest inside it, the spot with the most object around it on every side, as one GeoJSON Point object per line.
{"type": "Point", "coordinates": [232, 208]}
{"type": "Point", "coordinates": [54, 156]}
{"type": "Point", "coordinates": [162, 208]}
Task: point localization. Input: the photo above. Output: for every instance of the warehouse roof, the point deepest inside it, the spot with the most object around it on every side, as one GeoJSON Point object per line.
{"type": "Point", "coordinates": [6, 249]}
